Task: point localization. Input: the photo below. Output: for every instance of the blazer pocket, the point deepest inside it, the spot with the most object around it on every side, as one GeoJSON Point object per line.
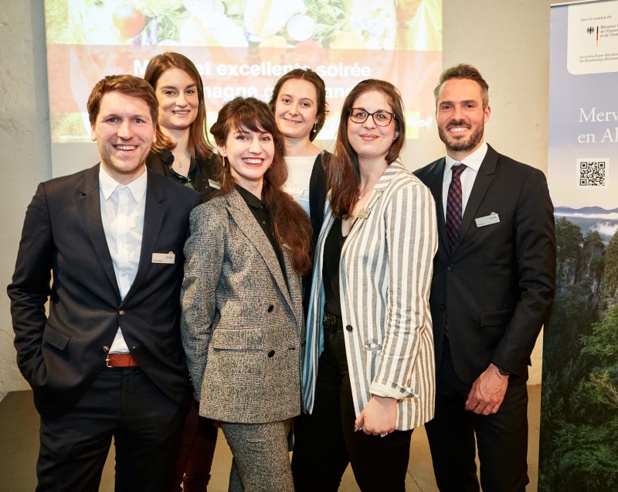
{"type": "Point", "coordinates": [241, 339]}
{"type": "Point", "coordinates": [496, 318]}
{"type": "Point", "coordinates": [55, 338]}
{"type": "Point", "coordinates": [373, 346]}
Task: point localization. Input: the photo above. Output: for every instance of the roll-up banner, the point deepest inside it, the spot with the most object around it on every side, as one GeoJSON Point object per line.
{"type": "Point", "coordinates": [579, 410]}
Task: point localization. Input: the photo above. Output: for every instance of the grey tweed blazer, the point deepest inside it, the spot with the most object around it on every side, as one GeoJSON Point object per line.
{"type": "Point", "coordinates": [241, 325]}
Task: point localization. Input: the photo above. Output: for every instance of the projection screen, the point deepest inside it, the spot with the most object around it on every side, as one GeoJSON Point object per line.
{"type": "Point", "coordinates": [241, 48]}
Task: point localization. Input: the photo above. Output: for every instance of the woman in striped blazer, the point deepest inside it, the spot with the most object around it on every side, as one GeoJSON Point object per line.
{"type": "Point", "coordinates": [368, 372]}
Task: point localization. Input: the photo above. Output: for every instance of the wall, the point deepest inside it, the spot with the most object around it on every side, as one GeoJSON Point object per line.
{"type": "Point", "coordinates": [25, 144]}
{"type": "Point", "coordinates": [507, 41]}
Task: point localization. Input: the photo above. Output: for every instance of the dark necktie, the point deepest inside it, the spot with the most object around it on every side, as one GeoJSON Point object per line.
{"type": "Point", "coordinates": [453, 205]}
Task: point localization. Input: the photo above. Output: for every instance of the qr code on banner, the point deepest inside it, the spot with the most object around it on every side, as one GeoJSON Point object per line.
{"type": "Point", "coordinates": [592, 172]}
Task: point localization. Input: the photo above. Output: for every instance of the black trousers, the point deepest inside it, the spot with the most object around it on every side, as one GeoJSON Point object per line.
{"type": "Point", "coordinates": [124, 404]}
{"type": "Point", "coordinates": [501, 438]}
{"type": "Point", "coordinates": [325, 441]}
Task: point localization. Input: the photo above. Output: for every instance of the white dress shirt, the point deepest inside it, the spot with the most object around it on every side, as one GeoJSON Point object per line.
{"type": "Point", "coordinates": [122, 214]}
{"type": "Point", "coordinates": [473, 164]}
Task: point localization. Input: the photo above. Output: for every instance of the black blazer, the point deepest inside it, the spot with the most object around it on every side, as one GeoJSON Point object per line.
{"type": "Point", "coordinates": [317, 192]}
{"type": "Point", "coordinates": [497, 285]}
{"type": "Point", "coordinates": [201, 172]}
{"type": "Point", "coordinates": [61, 354]}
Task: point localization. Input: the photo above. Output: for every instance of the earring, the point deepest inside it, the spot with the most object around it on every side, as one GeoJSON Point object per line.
{"type": "Point", "coordinates": [315, 127]}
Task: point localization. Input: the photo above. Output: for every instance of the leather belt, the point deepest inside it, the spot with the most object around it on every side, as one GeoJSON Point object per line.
{"type": "Point", "coordinates": [120, 360]}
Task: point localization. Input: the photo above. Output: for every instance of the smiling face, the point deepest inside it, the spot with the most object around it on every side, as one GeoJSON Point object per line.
{"type": "Point", "coordinates": [296, 109]}
{"type": "Point", "coordinates": [124, 132]}
{"type": "Point", "coordinates": [370, 141]}
{"type": "Point", "coordinates": [249, 154]}
{"type": "Point", "coordinates": [461, 117]}
{"type": "Point", "coordinates": [178, 100]}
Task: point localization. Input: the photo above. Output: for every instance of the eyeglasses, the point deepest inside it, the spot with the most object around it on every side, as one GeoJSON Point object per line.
{"type": "Point", "coordinates": [380, 118]}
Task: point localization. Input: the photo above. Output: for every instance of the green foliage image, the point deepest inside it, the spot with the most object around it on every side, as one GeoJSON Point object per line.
{"type": "Point", "coordinates": [579, 408]}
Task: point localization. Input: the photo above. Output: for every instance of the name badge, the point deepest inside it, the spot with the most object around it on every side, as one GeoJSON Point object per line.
{"type": "Point", "coordinates": [364, 213]}
{"type": "Point", "coordinates": [492, 218]}
{"type": "Point", "coordinates": [168, 258]}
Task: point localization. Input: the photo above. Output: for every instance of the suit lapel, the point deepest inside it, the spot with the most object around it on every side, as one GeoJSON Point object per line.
{"type": "Point", "coordinates": [93, 224]}
{"type": "Point", "coordinates": [374, 199]}
{"type": "Point", "coordinates": [435, 185]}
{"type": "Point", "coordinates": [246, 222]}
{"type": "Point", "coordinates": [153, 220]}
{"type": "Point", "coordinates": [296, 295]}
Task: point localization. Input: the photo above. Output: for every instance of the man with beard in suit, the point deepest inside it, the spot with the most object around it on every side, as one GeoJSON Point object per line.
{"type": "Point", "coordinates": [492, 291]}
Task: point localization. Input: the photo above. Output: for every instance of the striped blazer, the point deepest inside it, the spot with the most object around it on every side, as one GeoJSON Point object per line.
{"type": "Point", "coordinates": [385, 278]}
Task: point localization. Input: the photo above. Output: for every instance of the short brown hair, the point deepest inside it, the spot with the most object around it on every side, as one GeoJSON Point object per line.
{"type": "Point", "coordinates": [464, 71]}
{"type": "Point", "coordinates": [128, 85]}
{"type": "Point", "coordinates": [320, 90]}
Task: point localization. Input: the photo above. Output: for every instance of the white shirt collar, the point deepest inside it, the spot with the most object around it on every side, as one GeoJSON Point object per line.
{"type": "Point", "coordinates": [473, 161]}
{"type": "Point", "coordinates": [137, 187]}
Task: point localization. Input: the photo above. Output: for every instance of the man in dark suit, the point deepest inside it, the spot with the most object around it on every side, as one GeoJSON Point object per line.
{"type": "Point", "coordinates": [107, 361]}
{"type": "Point", "coordinates": [492, 292]}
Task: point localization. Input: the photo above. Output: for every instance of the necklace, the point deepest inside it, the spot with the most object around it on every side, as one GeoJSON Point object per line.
{"type": "Point", "coordinates": [180, 164]}
{"type": "Point", "coordinates": [367, 188]}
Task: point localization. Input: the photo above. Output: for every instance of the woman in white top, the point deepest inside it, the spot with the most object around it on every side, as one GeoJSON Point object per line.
{"type": "Point", "coordinates": [299, 105]}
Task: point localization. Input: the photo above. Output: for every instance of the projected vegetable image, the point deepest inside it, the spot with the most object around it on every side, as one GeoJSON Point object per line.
{"type": "Point", "coordinates": [339, 24]}
{"type": "Point", "coordinates": [241, 48]}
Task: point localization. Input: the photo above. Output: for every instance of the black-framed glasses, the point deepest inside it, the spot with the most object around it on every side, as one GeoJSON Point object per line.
{"type": "Point", "coordinates": [380, 118]}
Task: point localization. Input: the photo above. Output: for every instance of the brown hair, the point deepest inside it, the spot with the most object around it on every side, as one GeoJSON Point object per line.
{"type": "Point", "coordinates": [199, 146]}
{"type": "Point", "coordinates": [343, 171]}
{"type": "Point", "coordinates": [291, 226]}
{"type": "Point", "coordinates": [127, 85]}
{"type": "Point", "coordinates": [320, 90]}
{"type": "Point", "coordinates": [464, 71]}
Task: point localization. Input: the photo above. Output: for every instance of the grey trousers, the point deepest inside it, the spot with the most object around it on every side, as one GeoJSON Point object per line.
{"type": "Point", "coordinates": [261, 459]}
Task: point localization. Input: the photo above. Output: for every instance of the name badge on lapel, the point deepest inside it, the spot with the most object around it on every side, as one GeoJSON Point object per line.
{"type": "Point", "coordinates": [364, 213]}
{"type": "Point", "coordinates": [168, 258]}
{"type": "Point", "coordinates": [492, 218]}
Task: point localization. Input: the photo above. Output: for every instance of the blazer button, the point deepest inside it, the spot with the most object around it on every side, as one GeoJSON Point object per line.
{"type": "Point", "coordinates": [121, 312]}
{"type": "Point", "coordinates": [105, 349]}
{"type": "Point", "coordinates": [449, 268]}
{"type": "Point", "coordinates": [442, 307]}
{"type": "Point", "coordinates": [271, 353]}
{"type": "Point", "coordinates": [349, 328]}
{"type": "Point", "coordinates": [270, 308]}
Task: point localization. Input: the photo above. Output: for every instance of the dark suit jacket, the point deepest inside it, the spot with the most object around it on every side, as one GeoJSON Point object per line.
{"type": "Point", "coordinates": [61, 354]}
{"type": "Point", "coordinates": [497, 285]}
{"type": "Point", "coordinates": [317, 192]}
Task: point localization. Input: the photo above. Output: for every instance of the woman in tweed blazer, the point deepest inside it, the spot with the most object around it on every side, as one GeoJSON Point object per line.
{"type": "Point", "coordinates": [368, 374]}
{"type": "Point", "coordinates": [242, 322]}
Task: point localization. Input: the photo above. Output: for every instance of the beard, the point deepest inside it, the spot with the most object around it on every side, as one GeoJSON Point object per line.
{"type": "Point", "coordinates": [461, 145]}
